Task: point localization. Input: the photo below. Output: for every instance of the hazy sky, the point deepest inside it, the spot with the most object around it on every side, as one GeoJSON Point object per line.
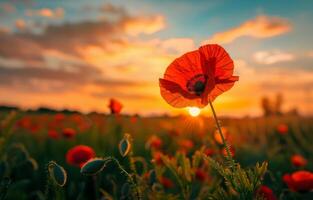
{"type": "Point", "coordinates": [77, 54]}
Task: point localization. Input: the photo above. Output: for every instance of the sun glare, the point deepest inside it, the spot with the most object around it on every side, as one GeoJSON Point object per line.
{"type": "Point", "coordinates": [194, 111]}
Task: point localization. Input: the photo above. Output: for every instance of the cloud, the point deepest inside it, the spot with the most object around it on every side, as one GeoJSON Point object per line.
{"type": "Point", "coordinates": [89, 58]}
{"type": "Point", "coordinates": [20, 24]}
{"type": "Point", "coordinates": [46, 12]}
{"type": "Point", "coordinates": [178, 45]}
{"type": "Point", "coordinates": [7, 8]}
{"type": "Point", "coordinates": [146, 25]}
{"type": "Point", "coordinates": [260, 27]}
{"type": "Point", "coordinates": [271, 57]}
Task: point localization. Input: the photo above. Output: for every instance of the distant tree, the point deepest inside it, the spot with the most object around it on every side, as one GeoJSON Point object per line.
{"type": "Point", "coordinates": [266, 106]}
{"type": "Point", "coordinates": [278, 104]}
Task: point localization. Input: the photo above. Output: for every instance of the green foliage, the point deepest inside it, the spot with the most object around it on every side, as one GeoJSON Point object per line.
{"type": "Point", "coordinates": [240, 183]}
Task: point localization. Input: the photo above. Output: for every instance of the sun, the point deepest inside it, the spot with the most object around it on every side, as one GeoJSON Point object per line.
{"type": "Point", "coordinates": [194, 111]}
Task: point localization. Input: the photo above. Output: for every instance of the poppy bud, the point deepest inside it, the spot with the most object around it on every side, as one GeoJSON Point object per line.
{"type": "Point", "coordinates": [57, 173]}
{"type": "Point", "coordinates": [93, 166]}
{"type": "Point", "coordinates": [125, 145]}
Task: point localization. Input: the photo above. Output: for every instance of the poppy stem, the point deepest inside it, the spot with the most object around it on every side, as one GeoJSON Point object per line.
{"type": "Point", "coordinates": [225, 144]}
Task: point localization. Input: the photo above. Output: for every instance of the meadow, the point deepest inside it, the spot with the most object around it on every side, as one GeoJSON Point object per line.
{"type": "Point", "coordinates": [165, 156]}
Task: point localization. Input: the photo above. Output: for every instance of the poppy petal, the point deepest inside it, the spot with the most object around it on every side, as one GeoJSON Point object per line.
{"type": "Point", "coordinates": [224, 65]}
{"type": "Point", "coordinates": [176, 96]}
{"type": "Point", "coordinates": [221, 86]}
{"type": "Point", "coordinates": [184, 68]}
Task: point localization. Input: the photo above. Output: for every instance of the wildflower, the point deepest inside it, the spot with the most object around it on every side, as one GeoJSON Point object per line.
{"type": "Point", "coordinates": [298, 160]}
{"type": "Point", "coordinates": [200, 175]}
{"type": "Point", "coordinates": [166, 182]}
{"type": "Point", "coordinates": [53, 134]}
{"type": "Point", "coordinates": [231, 149]}
{"type": "Point", "coordinates": [59, 117]}
{"type": "Point", "coordinates": [266, 192]}
{"type": "Point", "coordinates": [299, 181]}
{"type": "Point", "coordinates": [198, 77]}
{"type": "Point", "coordinates": [217, 135]}
{"type": "Point", "coordinates": [154, 142]}
{"type": "Point", "coordinates": [157, 158]}
{"type": "Point", "coordinates": [282, 129]}
{"type": "Point", "coordinates": [68, 132]}
{"type": "Point", "coordinates": [186, 144]}
{"type": "Point", "coordinates": [209, 152]}
{"type": "Point", "coordinates": [115, 106]}
{"type": "Point", "coordinates": [79, 155]}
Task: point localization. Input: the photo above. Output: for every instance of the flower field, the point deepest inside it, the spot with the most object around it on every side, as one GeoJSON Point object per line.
{"type": "Point", "coordinates": [166, 157]}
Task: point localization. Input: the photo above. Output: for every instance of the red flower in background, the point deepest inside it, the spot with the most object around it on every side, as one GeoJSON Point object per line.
{"type": "Point", "coordinates": [282, 129]}
{"type": "Point", "coordinates": [201, 175]}
{"type": "Point", "coordinates": [53, 134]}
{"type": "Point", "coordinates": [298, 160]}
{"type": "Point", "coordinates": [115, 106]}
{"type": "Point", "coordinates": [198, 77]}
{"type": "Point", "coordinates": [299, 181]}
{"type": "Point", "coordinates": [209, 152]}
{"type": "Point", "coordinates": [59, 117]}
{"type": "Point", "coordinates": [79, 155]}
{"type": "Point", "coordinates": [185, 145]}
{"type": "Point", "coordinates": [266, 192]}
{"type": "Point", "coordinates": [157, 158]}
{"type": "Point", "coordinates": [231, 149]}
{"type": "Point", "coordinates": [154, 142]}
{"type": "Point", "coordinates": [166, 182]}
{"type": "Point", "coordinates": [68, 132]}
{"type": "Point", "coordinates": [217, 135]}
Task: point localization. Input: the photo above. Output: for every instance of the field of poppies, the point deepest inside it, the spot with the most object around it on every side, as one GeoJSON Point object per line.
{"type": "Point", "coordinates": [43, 156]}
{"type": "Point", "coordinates": [51, 155]}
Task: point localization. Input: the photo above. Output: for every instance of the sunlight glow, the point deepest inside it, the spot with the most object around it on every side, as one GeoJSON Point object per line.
{"type": "Point", "coordinates": [194, 111]}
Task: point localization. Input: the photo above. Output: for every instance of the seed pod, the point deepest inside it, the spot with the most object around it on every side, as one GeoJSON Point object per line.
{"type": "Point", "coordinates": [93, 166]}
{"type": "Point", "coordinates": [57, 173]}
{"type": "Point", "coordinates": [125, 145]}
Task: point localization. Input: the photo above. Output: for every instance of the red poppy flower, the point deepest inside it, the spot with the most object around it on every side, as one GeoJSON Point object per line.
{"type": "Point", "coordinates": [198, 77]}
{"type": "Point", "coordinates": [298, 160]}
{"type": "Point", "coordinates": [299, 181]}
{"type": "Point", "coordinates": [115, 106]}
{"type": "Point", "coordinates": [231, 149]}
{"type": "Point", "coordinates": [266, 192]}
{"type": "Point", "coordinates": [201, 175]}
{"type": "Point", "coordinates": [217, 135]}
{"type": "Point", "coordinates": [166, 182]}
{"type": "Point", "coordinates": [186, 144]}
{"type": "Point", "coordinates": [68, 132]}
{"type": "Point", "coordinates": [79, 155]}
{"type": "Point", "coordinates": [59, 117]}
{"type": "Point", "coordinates": [53, 134]}
{"type": "Point", "coordinates": [282, 129]}
{"type": "Point", "coordinates": [154, 142]}
{"type": "Point", "coordinates": [209, 152]}
{"type": "Point", "coordinates": [157, 158]}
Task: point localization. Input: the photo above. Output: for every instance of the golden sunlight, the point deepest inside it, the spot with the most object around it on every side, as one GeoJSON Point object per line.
{"type": "Point", "coordinates": [194, 111]}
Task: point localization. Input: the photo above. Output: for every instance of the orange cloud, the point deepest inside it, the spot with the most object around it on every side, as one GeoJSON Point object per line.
{"type": "Point", "coordinates": [271, 57]}
{"type": "Point", "coordinates": [20, 24]}
{"type": "Point", "coordinates": [261, 27]}
{"type": "Point", "coordinates": [146, 25]}
{"type": "Point", "coordinates": [179, 45]}
{"type": "Point", "coordinates": [46, 12]}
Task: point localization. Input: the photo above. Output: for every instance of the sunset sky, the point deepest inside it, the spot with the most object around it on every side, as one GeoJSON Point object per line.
{"type": "Point", "coordinates": [78, 54]}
